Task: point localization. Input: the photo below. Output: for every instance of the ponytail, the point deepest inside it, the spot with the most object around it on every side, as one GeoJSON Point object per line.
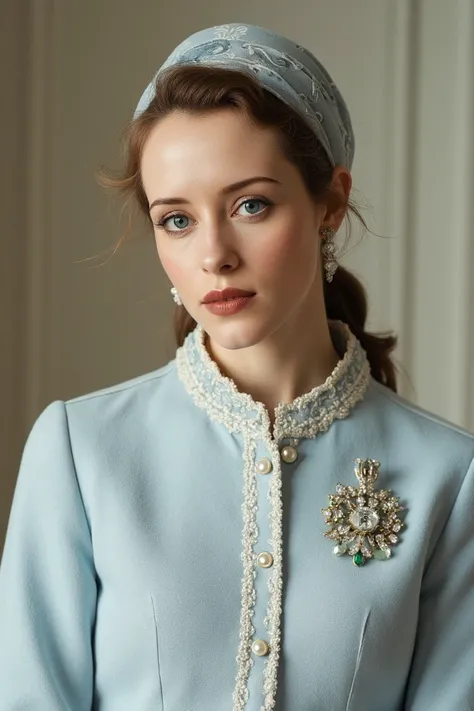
{"type": "Point", "coordinates": [346, 300]}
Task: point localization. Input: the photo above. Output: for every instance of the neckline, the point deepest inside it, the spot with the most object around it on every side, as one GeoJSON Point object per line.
{"type": "Point", "coordinates": [307, 415]}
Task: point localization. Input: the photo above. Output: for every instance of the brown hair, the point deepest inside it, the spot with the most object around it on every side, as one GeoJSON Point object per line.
{"type": "Point", "coordinates": [199, 89]}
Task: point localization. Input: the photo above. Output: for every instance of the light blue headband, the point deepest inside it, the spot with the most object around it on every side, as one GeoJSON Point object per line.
{"type": "Point", "coordinates": [281, 66]}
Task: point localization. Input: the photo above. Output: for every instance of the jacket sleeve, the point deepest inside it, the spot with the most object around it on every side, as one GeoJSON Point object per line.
{"type": "Point", "coordinates": [47, 580]}
{"type": "Point", "coordinates": [442, 671]}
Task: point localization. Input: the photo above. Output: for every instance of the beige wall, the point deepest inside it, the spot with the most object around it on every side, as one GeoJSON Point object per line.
{"type": "Point", "coordinates": [70, 326]}
{"type": "Point", "coordinates": [13, 245]}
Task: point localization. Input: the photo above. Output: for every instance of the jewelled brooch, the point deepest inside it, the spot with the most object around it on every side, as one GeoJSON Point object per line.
{"type": "Point", "coordinates": [364, 522]}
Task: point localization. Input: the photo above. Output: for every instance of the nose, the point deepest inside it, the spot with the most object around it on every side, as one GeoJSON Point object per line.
{"type": "Point", "coordinates": [219, 251]}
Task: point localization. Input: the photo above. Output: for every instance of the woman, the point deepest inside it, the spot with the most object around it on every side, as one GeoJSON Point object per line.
{"type": "Point", "coordinates": [263, 523]}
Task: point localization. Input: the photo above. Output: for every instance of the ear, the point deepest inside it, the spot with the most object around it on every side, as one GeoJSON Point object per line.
{"type": "Point", "coordinates": [336, 208]}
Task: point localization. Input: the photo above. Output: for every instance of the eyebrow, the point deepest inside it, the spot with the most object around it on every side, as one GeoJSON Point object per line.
{"type": "Point", "coordinates": [224, 191]}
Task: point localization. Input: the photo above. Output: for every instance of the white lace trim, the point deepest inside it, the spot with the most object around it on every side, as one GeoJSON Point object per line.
{"type": "Point", "coordinates": [305, 417]}
{"type": "Point", "coordinates": [215, 393]}
{"type": "Point", "coordinates": [249, 539]}
{"type": "Point", "coordinates": [275, 581]}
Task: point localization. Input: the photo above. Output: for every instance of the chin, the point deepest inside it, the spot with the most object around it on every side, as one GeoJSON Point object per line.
{"type": "Point", "coordinates": [233, 333]}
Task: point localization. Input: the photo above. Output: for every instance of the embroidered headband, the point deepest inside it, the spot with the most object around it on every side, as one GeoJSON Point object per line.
{"type": "Point", "coordinates": [286, 69]}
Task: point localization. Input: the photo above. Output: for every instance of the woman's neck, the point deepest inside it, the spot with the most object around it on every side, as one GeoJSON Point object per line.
{"type": "Point", "coordinates": [287, 364]}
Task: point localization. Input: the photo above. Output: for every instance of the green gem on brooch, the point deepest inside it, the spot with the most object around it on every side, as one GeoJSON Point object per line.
{"type": "Point", "coordinates": [363, 522]}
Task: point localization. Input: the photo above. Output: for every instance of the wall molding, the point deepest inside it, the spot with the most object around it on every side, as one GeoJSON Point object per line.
{"type": "Point", "coordinates": [401, 35]}
{"type": "Point", "coordinates": [441, 235]}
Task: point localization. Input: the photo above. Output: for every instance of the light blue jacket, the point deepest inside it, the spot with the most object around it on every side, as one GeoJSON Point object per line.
{"type": "Point", "coordinates": [133, 577]}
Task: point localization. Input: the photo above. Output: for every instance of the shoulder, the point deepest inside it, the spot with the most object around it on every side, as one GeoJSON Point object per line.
{"type": "Point", "coordinates": [407, 411]}
{"type": "Point", "coordinates": [114, 407]}
{"type": "Point", "coordinates": [415, 430]}
{"type": "Point", "coordinates": [138, 386]}
{"type": "Point", "coordinates": [430, 458]}
{"type": "Point", "coordinates": [127, 398]}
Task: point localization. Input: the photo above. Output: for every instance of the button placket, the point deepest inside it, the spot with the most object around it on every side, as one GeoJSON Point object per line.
{"type": "Point", "coordinates": [263, 559]}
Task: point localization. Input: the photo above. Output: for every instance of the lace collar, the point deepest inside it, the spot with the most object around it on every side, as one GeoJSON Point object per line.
{"type": "Point", "coordinates": [307, 415]}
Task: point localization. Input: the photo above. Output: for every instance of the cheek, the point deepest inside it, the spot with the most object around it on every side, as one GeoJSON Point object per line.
{"type": "Point", "coordinates": [171, 265]}
{"type": "Point", "coordinates": [291, 250]}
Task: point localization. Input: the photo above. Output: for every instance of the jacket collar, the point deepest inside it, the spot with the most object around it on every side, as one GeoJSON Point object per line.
{"type": "Point", "coordinates": [307, 415]}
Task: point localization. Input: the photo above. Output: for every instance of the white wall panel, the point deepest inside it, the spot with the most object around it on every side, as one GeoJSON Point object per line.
{"type": "Point", "coordinates": [441, 231]}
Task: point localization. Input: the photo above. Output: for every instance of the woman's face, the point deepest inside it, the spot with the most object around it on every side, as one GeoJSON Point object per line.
{"type": "Point", "coordinates": [261, 236]}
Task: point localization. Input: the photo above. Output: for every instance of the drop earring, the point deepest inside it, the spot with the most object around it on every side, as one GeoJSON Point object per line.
{"type": "Point", "coordinates": [329, 250]}
{"type": "Point", "coordinates": [176, 297]}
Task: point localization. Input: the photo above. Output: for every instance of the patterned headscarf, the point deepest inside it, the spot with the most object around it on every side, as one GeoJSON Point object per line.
{"type": "Point", "coordinates": [286, 69]}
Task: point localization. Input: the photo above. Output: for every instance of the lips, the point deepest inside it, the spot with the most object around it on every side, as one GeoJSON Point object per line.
{"type": "Point", "coordinates": [225, 295]}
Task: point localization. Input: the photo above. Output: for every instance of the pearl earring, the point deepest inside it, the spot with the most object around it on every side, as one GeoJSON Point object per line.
{"type": "Point", "coordinates": [176, 297]}
{"type": "Point", "coordinates": [329, 250]}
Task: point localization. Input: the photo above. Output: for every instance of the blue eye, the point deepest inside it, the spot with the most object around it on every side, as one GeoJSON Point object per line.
{"type": "Point", "coordinates": [252, 205]}
{"type": "Point", "coordinates": [177, 219]}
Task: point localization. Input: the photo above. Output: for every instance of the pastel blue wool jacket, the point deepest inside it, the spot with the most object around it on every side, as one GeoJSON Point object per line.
{"type": "Point", "coordinates": [166, 550]}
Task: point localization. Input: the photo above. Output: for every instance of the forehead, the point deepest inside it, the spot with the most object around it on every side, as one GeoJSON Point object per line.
{"type": "Point", "coordinates": [217, 146]}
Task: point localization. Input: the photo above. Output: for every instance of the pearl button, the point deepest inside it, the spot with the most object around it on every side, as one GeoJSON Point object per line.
{"type": "Point", "coordinates": [289, 454]}
{"type": "Point", "coordinates": [264, 466]}
{"type": "Point", "coordinates": [260, 647]}
{"type": "Point", "coordinates": [265, 559]}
